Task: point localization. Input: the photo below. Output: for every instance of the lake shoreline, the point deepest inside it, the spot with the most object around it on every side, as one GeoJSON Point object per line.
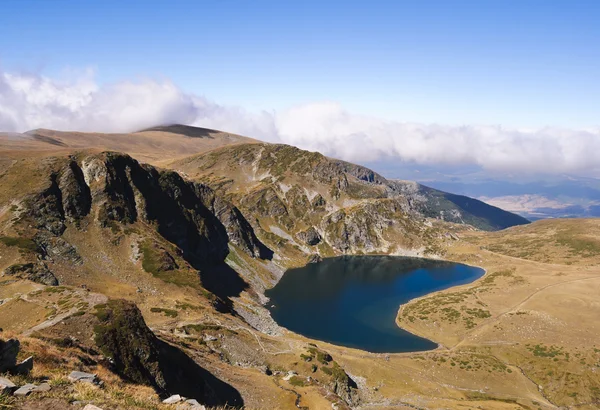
{"type": "Point", "coordinates": [370, 270]}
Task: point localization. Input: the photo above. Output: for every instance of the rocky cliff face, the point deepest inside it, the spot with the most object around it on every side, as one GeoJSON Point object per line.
{"type": "Point", "coordinates": [138, 356]}
{"type": "Point", "coordinates": [116, 189]}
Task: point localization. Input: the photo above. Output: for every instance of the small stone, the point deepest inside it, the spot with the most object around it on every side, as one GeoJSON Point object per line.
{"type": "Point", "coordinates": [209, 338]}
{"type": "Point", "coordinates": [6, 386]}
{"type": "Point", "coordinates": [24, 367]}
{"type": "Point", "coordinates": [176, 398]}
{"type": "Point", "coordinates": [44, 387]}
{"type": "Point", "coordinates": [91, 407]}
{"type": "Point", "coordinates": [83, 377]}
{"type": "Point", "coordinates": [25, 390]}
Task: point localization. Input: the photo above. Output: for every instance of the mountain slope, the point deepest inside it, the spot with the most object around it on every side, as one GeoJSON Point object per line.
{"type": "Point", "coordinates": [151, 145]}
{"type": "Point", "coordinates": [329, 207]}
{"type": "Point", "coordinates": [194, 250]}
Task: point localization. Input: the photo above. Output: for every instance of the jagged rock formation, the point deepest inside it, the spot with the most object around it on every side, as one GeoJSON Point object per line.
{"type": "Point", "coordinates": [8, 354]}
{"type": "Point", "coordinates": [303, 199]}
{"type": "Point", "coordinates": [9, 351]}
{"type": "Point", "coordinates": [138, 356]}
{"type": "Point", "coordinates": [121, 191]}
{"type": "Point", "coordinates": [35, 272]}
{"type": "Point", "coordinates": [133, 349]}
{"type": "Point", "coordinates": [310, 236]}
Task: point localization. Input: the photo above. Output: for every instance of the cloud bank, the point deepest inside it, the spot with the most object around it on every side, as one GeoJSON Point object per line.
{"type": "Point", "coordinates": [29, 101]}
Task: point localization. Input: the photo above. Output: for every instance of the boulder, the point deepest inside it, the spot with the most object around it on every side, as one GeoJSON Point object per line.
{"type": "Point", "coordinates": [315, 258]}
{"type": "Point", "coordinates": [6, 386]}
{"type": "Point", "coordinates": [25, 390]}
{"type": "Point", "coordinates": [42, 388]}
{"type": "Point", "coordinates": [76, 376]}
{"type": "Point", "coordinates": [309, 237]}
{"type": "Point", "coordinates": [176, 398]}
{"type": "Point", "coordinates": [35, 272]}
{"type": "Point", "coordinates": [24, 367]}
{"type": "Point", "coordinates": [8, 354]}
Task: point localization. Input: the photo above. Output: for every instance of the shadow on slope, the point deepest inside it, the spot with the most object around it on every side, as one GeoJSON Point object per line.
{"type": "Point", "coordinates": [223, 281]}
{"type": "Point", "coordinates": [138, 356]}
{"type": "Point", "coordinates": [188, 131]}
{"type": "Point", "coordinates": [185, 377]}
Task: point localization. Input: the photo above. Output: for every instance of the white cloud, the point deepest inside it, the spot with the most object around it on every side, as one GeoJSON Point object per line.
{"type": "Point", "coordinates": [33, 101]}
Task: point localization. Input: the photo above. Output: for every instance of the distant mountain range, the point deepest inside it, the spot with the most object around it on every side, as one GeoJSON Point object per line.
{"type": "Point", "coordinates": [562, 198]}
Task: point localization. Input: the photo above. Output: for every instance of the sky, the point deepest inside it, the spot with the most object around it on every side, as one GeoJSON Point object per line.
{"type": "Point", "coordinates": [499, 85]}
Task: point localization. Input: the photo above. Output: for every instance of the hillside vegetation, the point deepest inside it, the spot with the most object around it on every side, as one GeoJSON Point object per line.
{"type": "Point", "coordinates": [153, 278]}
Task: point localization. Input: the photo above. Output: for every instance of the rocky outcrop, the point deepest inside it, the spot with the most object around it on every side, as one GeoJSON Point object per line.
{"type": "Point", "coordinates": [265, 202]}
{"type": "Point", "coordinates": [35, 272]}
{"type": "Point", "coordinates": [239, 230]}
{"type": "Point", "coordinates": [297, 201]}
{"type": "Point", "coordinates": [318, 203]}
{"type": "Point", "coordinates": [9, 350]}
{"type": "Point", "coordinates": [47, 208]}
{"type": "Point", "coordinates": [309, 237]}
{"type": "Point", "coordinates": [189, 215]}
{"type": "Point", "coordinates": [133, 349]}
{"type": "Point", "coordinates": [137, 355]}
{"type": "Point", "coordinates": [76, 195]}
{"type": "Point", "coordinates": [359, 172]}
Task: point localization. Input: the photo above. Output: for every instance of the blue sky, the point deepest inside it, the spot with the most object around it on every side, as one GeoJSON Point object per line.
{"type": "Point", "coordinates": [515, 63]}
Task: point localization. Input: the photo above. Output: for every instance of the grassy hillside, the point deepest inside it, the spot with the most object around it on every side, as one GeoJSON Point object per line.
{"type": "Point", "coordinates": [152, 145]}
{"type": "Point", "coordinates": [181, 257]}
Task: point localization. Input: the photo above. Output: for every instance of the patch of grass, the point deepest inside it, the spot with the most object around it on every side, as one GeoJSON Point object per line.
{"type": "Point", "coordinates": [336, 373]}
{"type": "Point", "coordinates": [21, 243]}
{"type": "Point", "coordinates": [6, 401]}
{"type": "Point", "coordinates": [297, 381]}
{"type": "Point", "coordinates": [321, 356]}
{"type": "Point", "coordinates": [200, 327]}
{"type": "Point", "coordinates": [167, 312]}
{"type": "Point", "coordinates": [55, 289]}
{"type": "Point", "coordinates": [491, 278]}
{"type": "Point", "coordinates": [186, 306]}
{"type": "Point", "coordinates": [580, 246]}
{"type": "Point", "coordinates": [541, 350]}
{"type": "Point", "coordinates": [155, 262]}
{"type": "Point", "coordinates": [484, 396]}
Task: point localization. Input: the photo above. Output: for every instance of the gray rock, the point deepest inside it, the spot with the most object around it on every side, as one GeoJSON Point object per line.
{"type": "Point", "coordinates": [6, 386]}
{"type": "Point", "coordinates": [176, 398]}
{"type": "Point", "coordinates": [76, 376]}
{"type": "Point", "coordinates": [24, 367]}
{"type": "Point", "coordinates": [44, 387]}
{"type": "Point", "coordinates": [35, 272]}
{"type": "Point", "coordinates": [318, 202]}
{"type": "Point", "coordinates": [315, 258]}
{"type": "Point", "coordinates": [25, 390]}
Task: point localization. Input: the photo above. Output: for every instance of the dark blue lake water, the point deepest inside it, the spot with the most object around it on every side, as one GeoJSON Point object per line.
{"type": "Point", "coordinates": [353, 300]}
